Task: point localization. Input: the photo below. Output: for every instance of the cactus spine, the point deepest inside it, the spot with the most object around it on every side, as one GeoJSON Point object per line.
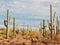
{"type": "Point", "coordinates": [14, 27]}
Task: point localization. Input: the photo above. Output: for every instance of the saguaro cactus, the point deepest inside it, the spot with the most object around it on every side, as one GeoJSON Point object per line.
{"type": "Point", "coordinates": [51, 19]}
{"type": "Point", "coordinates": [14, 27]}
{"type": "Point", "coordinates": [54, 22]}
{"type": "Point", "coordinates": [43, 27]}
{"type": "Point", "coordinates": [40, 29]}
{"type": "Point", "coordinates": [57, 26]}
{"type": "Point", "coordinates": [50, 13]}
{"type": "Point", "coordinates": [8, 26]}
{"type": "Point", "coordinates": [6, 23]}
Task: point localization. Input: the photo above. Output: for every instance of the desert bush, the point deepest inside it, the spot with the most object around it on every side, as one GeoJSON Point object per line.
{"type": "Point", "coordinates": [24, 32]}
{"type": "Point", "coordinates": [17, 31]}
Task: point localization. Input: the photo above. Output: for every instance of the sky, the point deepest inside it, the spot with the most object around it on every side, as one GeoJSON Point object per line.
{"type": "Point", "coordinates": [28, 12]}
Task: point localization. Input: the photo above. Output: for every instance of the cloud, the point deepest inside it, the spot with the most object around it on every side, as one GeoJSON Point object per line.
{"type": "Point", "coordinates": [28, 10]}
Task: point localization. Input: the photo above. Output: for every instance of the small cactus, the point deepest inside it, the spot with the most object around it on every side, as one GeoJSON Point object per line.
{"type": "Point", "coordinates": [57, 27]}
{"type": "Point", "coordinates": [14, 27]}
{"type": "Point", "coordinates": [43, 27]}
{"type": "Point", "coordinates": [40, 29]}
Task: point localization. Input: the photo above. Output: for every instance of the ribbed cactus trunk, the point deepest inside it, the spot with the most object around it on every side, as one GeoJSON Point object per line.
{"type": "Point", "coordinates": [40, 29]}
{"type": "Point", "coordinates": [57, 26]}
{"type": "Point", "coordinates": [51, 19]}
{"type": "Point", "coordinates": [7, 28]}
{"type": "Point", "coordinates": [54, 22]}
{"type": "Point", "coordinates": [43, 27]}
{"type": "Point", "coordinates": [14, 27]}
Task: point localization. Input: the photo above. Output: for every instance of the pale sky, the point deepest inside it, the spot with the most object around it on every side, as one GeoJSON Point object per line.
{"type": "Point", "coordinates": [30, 12]}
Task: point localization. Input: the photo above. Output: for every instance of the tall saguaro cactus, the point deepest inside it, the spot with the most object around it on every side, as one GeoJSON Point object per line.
{"type": "Point", "coordinates": [51, 19]}
{"type": "Point", "coordinates": [14, 27]}
{"type": "Point", "coordinates": [6, 23]}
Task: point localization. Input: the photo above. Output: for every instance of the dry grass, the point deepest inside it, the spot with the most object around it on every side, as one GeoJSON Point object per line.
{"type": "Point", "coordinates": [27, 38]}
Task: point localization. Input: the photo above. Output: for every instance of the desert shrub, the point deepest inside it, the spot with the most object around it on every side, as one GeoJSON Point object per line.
{"type": "Point", "coordinates": [2, 32]}
{"type": "Point", "coordinates": [46, 33]}
{"type": "Point", "coordinates": [17, 31]}
{"type": "Point", "coordinates": [24, 32]}
{"type": "Point", "coordinates": [34, 33]}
